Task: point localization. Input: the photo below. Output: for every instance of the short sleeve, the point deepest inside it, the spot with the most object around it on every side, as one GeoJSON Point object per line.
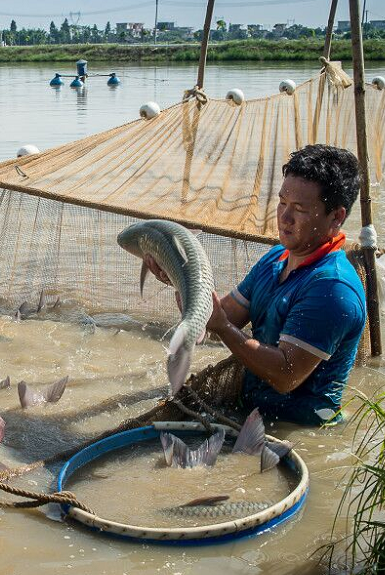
{"type": "Point", "coordinates": [327, 312]}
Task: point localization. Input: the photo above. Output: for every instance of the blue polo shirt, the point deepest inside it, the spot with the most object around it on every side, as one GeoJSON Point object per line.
{"type": "Point", "coordinates": [319, 307]}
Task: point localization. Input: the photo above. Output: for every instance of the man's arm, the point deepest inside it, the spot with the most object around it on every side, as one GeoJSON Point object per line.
{"type": "Point", "coordinates": [284, 367]}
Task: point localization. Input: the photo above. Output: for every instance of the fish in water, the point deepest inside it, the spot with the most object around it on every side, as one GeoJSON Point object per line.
{"type": "Point", "coordinates": [178, 252]}
{"type": "Point", "coordinates": [5, 383]}
{"type": "Point", "coordinates": [49, 394]}
{"type": "Point", "coordinates": [250, 441]}
{"type": "Point", "coordinates": [2, 429]}
{"type": "Point", "coordinates": [177, 454]}
{"type": "Point", "coordinates": [213, 507]}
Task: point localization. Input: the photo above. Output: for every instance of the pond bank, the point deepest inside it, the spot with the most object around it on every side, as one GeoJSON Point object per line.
{"type": "Point", "coordinates": [244, 50]}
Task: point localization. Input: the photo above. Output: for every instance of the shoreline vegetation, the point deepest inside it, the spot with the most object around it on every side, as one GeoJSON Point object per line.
{"type": "Point", "coordinates": [237, 50]}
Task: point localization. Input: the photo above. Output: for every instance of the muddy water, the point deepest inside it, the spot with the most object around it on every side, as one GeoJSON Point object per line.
{"type": "Point", "coordinates": [107, 364]}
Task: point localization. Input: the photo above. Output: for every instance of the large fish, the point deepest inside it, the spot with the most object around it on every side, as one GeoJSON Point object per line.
{"type": "Point", "coordinates": [178, 252]}
{"type": "Point", "coordinates": [214, 507]}
{"type": "Point", "coordinates": [250, 441]}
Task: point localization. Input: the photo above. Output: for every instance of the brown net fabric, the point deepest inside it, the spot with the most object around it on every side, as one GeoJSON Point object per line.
{"type": "Point", "coordinates": [215, 166]}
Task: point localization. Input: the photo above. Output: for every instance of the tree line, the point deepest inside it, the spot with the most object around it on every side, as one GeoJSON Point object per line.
{"type": "Point", "coordinates": [68, 33]}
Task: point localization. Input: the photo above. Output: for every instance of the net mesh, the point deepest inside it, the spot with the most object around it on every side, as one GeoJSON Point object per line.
{"type": "Point", "coordinates": [214, 166]}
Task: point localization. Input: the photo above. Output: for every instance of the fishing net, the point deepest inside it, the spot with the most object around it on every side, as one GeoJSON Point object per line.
{"type": "Point", "coordinates": [214, 166]}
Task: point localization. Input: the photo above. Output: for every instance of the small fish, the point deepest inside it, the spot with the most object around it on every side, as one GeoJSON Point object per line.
{"type": "Point", "coordinates": [213, 507]}
{"type": "Point", "coordinates": [50, 394]}
{"type": "Point", "coordinates": [2, 429]}
{"type": "Point", "coordinates": [5, 383]}
{"type": "Point", "coordinates": [177, 454]}
{"type": "Point", "coordinates": [178, 252]}
{"type": "Point", "coordinates": [250, 441]}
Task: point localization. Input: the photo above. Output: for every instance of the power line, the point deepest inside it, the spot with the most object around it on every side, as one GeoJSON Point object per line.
{"type": "Point", "coordinates": [126, 8]}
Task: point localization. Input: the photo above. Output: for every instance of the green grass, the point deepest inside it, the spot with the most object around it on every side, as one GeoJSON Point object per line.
{"type": "Point", "coordinates": [364, 495]}
{"type": "Point", "coordinates": [238, 50]}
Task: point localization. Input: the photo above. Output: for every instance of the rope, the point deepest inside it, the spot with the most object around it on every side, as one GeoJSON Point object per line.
{"type": "Point", "coordinates": [39, 499]}
{"type": "Point", "coordinates": [197, 93]}
{"type": "Point", "coordinates": [335, 74]}
{"type": "Point", "coordinates": [368, 237]}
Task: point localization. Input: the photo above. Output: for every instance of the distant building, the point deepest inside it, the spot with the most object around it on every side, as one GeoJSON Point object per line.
{"type": "Point", "coordinates": [379, 24]}
{"type": "Point", "coordinates": [343, 25]}
{"type": "Point", "coordinates": [135, 29]}
{"type": "Point", "coordinates": [185, 31]}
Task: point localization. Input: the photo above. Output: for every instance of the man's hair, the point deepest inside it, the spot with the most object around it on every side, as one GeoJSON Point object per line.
{"type": "Point", "coordinates": [335, 170]}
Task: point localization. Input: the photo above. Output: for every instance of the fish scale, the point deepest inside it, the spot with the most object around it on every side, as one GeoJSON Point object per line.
{"type": "Point", "coordinates": [231, 509]}
{"type": "Point", "coordinates": [178, 252]}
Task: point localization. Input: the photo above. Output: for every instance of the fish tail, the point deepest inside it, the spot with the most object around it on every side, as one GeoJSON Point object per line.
{"type": "Point", "coordinates": [179, 359]}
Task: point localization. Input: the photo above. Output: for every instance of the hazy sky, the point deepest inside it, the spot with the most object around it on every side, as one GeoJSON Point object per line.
{"type": "Point", "coordinates": [184, 13]}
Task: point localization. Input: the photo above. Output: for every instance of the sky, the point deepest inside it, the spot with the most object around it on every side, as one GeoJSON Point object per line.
{"type": "Point", "coordinates": [311, 13]}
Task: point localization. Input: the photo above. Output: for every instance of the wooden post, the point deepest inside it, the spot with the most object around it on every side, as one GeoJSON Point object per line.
{"type": "Point", "coordinates": [204, 44]}
{"type": "Point", "coordinates": [329, 29]}
{"type": "Point", "coordinates": [362, 153]}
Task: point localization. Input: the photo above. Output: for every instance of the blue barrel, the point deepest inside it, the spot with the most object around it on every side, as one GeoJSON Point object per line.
{"type": "Point", "coordinates": [113, 80]}
{"type": "Point", "coordinates": [77, 83]}
{"type": "Point", "coordinates": [56, 81]}
{"type": "Point", "coordinates": [81, 67]}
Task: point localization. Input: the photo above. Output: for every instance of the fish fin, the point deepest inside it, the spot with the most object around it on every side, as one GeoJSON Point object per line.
{"type": "Point", "coordinates": [42, 301]}
{"type": "Point", "coordinates": [179, 359]}
{"type": "Point", "coordinates": [201, 337]}
{"type": "Point", "coordinates": [22, 310]}
{"type": "Point", "coordinates": [143, 275]}
{"type": "Point", "coordinates": [281, 449]}
{"type": "Point", "coordinates": [214, 500]}
{"type": "Point", "coordinates": [167, 442]}
{"type": "Point", "coordinates": [178, 454]}
{"type": "Point", "coordinates": [251, 438]}
{"type": "Point", "coordinates": [269, 459]}
{"type": "Point", "coordinates": [27, 397]}
{"type": "Point", "coordinates": [215, 443]}
{"type": "Point", "coordinates": [57, 302]}
{"type": "Point", "coordinates": [5, 383]}
{"type": "Point", "coordinates": [53, 392]}
{"type": "Point", "coordinates": [180, 248]}
{"type": "Point", "coordinates": [2, 428]}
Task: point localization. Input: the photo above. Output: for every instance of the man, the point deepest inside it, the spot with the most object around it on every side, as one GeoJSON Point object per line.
{"type": "Point", "coordinates": [304, 300]}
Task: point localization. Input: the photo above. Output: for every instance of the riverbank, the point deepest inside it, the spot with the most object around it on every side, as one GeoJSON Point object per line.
{"type": "Point", "coordinates": [242, 50]}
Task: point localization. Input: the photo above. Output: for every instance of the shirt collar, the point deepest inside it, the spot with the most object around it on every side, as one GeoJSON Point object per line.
{"type": "Point", "coordinates": [331, 246]}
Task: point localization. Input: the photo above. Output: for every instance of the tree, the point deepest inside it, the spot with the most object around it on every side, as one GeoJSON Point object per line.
{"type": "Point", "coordinates": [221, 25]}
{"type": "Point", "coordinates": [13, 27]}
{"type": "Point", "coordinates": [53, 33]}
{"type": "Point", "coordinates": [65, 33]}
{"type": "Point", "coordinates": [107, 31]}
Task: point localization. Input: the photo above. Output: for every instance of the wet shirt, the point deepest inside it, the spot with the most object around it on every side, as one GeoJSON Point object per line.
{"type": "Point", "coordinates": [319, 307]}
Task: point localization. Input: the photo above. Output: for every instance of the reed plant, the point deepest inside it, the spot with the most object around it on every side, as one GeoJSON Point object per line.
{"type": "Point", "coordinates": [364, 494]}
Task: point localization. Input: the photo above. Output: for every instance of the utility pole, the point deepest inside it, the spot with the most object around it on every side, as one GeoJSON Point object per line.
{"type": "Point", "coordinates": [156, 19]}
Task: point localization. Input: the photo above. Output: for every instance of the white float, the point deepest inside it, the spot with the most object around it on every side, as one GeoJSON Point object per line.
{"type": "Point", "coordinates": [27, 150]}
{"type": "Point", "coordinates": [236, 95]}
{"type": "Point", "coordinates": [379, 82]}
{"type": "Point", "coordinates": [149, 110]}
{"type": "Point", "coordinates": [287, 86]}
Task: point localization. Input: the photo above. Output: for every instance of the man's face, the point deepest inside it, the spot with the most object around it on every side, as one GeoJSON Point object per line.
{"type": "Point", "coordinates": [303, 224]}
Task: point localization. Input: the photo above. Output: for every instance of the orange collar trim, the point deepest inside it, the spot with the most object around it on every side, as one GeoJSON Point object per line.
{"type": "Point", "coordinates": [331, 246]}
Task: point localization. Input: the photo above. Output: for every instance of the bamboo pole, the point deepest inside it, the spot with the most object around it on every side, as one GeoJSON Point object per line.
{"type": "Point", "coordinates": [204, 44]}
{"type": "Point", "coordinates": [329, 29]}
{"type": "Point", "coordinates": [362, 153]}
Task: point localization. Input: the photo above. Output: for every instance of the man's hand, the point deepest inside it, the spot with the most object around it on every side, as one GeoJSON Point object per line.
{"type": "Point", "coordinates": [156, 270]}
{"type": "Point", "coordinates": [218, 319]}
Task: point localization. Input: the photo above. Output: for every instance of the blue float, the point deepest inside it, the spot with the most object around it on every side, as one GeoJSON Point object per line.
{"type": "Point", "coordinates": [56, 81]}
{"type": "Point", "coordinates": [77, 83]}
{"type": "Point", "coordinates": [251, 525]}
{"type": "Point", "coordinates": [113, 80]}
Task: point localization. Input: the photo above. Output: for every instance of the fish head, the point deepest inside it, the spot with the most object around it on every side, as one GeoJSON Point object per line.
{"type": "Point", "coordinates": [129, 239]}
